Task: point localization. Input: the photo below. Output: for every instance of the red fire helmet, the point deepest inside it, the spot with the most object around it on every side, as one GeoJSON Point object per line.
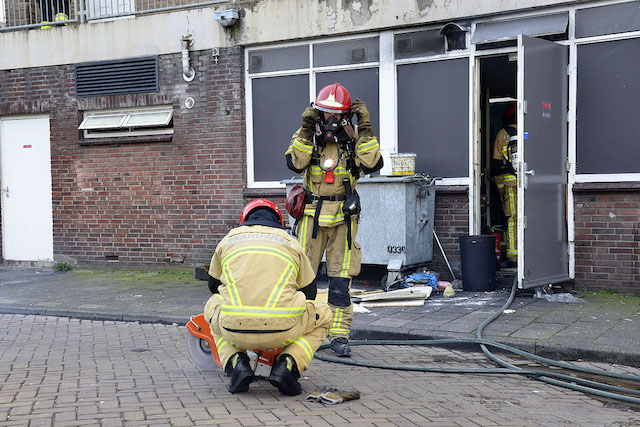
{"type": "Point", "coordinates": [333, 99]}
{"type": "Point", "coordinates": [260, 203]}
{"type": "Point", "coordinates": [509, 112]}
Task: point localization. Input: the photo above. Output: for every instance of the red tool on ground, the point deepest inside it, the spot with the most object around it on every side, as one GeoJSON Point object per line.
{"type": "Point", "coordinates": [204, 354]}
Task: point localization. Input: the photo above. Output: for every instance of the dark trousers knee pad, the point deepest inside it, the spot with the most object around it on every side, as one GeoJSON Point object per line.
{"type": "Point", "coordinates": [339, 291]}
{"type": "Point", "coordinates": [311, 290]}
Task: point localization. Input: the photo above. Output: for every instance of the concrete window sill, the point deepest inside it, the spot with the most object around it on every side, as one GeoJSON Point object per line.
{"type": "Point", "coordinates": [125, 140]}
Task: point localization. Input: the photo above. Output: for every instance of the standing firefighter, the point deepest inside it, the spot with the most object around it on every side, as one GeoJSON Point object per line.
{"type": "Point", "coordinates": [256, 274]}
{"type": "Point", "coordinates": [331, 154]}
{"type": "Point", "coordinates": [505, 167]}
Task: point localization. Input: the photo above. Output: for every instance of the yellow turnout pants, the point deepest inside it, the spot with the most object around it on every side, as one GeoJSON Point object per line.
{"type": "Point", "coordinates": [508, 187]}
{"type": "Point", "coordinates": [342, 264]}
{"type": "Point", "coordinates": [301, 341]}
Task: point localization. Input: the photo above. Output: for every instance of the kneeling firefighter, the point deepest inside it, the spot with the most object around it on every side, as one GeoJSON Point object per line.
{"type": "Point", "coordinates": [331, 154]}
{"type": "Point", "coordinates": [256, 275]}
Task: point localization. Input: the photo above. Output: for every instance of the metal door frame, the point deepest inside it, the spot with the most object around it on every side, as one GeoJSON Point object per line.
{"type": "Point", "coordinates": [519, 175]}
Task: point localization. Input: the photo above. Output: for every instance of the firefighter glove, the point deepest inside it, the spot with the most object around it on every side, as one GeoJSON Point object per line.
{"type": "Point", "coordinates": [332, 396]}
{"type": "Point", "coordinates": [365, 130]}
{"type": "Point", "coordinates": [360, 110]}
{"type": "Point", "coordinates": [310, 117]}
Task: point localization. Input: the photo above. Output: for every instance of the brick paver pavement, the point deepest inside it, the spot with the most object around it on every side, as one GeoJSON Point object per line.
{"type": "Point", "coordinates": [68, 372]}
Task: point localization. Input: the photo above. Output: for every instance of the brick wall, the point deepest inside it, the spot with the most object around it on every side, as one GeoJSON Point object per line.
{"type": "Point", "coordinates": [150, 202]}
{"type": "Point", "coordinates": [157, 202]}
{"type": "Point", "coordinates": [451, 221]}
{"type": "Point", "coordinates": [607, 244]}
{"type": "Point", "coordinates": [607, 237]}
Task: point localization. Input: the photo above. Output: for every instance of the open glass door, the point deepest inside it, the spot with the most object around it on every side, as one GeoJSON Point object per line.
{"type": "Point", "coordinates": [542, 162]}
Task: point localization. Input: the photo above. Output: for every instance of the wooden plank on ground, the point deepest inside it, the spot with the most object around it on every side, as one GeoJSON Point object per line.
{"type": "Point", "coordinates": [395, 303]}
{"type": "Point", "coordinates": [421, 292]}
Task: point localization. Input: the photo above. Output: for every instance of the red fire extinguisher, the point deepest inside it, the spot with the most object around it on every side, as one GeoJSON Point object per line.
{"type": "Point", "coordinates": [498, 237]}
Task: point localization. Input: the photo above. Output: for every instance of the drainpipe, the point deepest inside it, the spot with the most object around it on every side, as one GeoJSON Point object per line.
{"type": "Point", "coordinates": [188, 73]}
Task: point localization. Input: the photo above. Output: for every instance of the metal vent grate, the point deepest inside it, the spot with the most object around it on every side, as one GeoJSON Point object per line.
{"type": "Point", "coordinates": [358, 54]}
{"type": "Point", "coordinates": [123, 76]}
{"type": "Point", "coordinates": [404, 45]}
{"type": "Point", "coordinates": [256, 63]}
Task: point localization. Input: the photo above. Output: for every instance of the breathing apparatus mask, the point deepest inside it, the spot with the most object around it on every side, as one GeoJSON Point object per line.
{"type": "Point", "coordinates": [332, 130]}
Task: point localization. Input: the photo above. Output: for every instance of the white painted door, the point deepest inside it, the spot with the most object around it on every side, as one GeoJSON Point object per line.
{"type": "Point", "coordinates": [27, 219]}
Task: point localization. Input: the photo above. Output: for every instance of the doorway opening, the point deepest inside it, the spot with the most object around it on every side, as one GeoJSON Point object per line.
{"type": "Point", "coordinates": [536, 236]}
{"type": "Point", "coordinates": [497, 143]}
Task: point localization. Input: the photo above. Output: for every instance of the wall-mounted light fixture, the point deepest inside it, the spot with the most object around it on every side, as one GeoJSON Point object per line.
{"type": "Point", "coordinates": [215, 53]}
{"type": "Point", "coordinates": [227, 18]}
{"type": "Point", "coordinates": [456, 36]}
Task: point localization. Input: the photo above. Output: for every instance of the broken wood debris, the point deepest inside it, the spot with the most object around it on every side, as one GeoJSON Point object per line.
{"type": "Point", "coordinates": [414, 296]}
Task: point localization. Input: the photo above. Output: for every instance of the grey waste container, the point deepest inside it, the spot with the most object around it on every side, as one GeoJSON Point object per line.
{"type": "Point", "coordinates": [478, 258]}
{"type": "Point", "coordinates": [396, 223]}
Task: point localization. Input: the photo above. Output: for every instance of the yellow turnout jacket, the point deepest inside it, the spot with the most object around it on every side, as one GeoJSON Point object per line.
{"type": "Point", "coordinates": [261, 269]}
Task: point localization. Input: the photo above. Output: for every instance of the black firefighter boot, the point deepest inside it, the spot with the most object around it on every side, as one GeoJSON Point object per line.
{"type": "Point", "coordinates": [285, 374]}
{"type": "Point", "coordinates": [241, 373]}
{"type": "Point", "coordinates": [341, 347]}
{"type": "Point", "coordinates": [340, 298]}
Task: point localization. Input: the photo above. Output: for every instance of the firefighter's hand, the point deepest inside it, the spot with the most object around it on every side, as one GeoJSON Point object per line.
{"type": "Point", "coordinates": [310, 117]}
{"type": "Point", "coordinates": [361, 111]}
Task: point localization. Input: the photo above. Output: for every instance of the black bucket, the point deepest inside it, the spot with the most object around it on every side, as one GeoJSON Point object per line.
{"type": "Point", "coordinates": [478, 258]}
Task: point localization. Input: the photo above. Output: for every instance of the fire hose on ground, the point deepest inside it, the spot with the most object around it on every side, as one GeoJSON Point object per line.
{"type": "Point", "coordinates": [554, 378]}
